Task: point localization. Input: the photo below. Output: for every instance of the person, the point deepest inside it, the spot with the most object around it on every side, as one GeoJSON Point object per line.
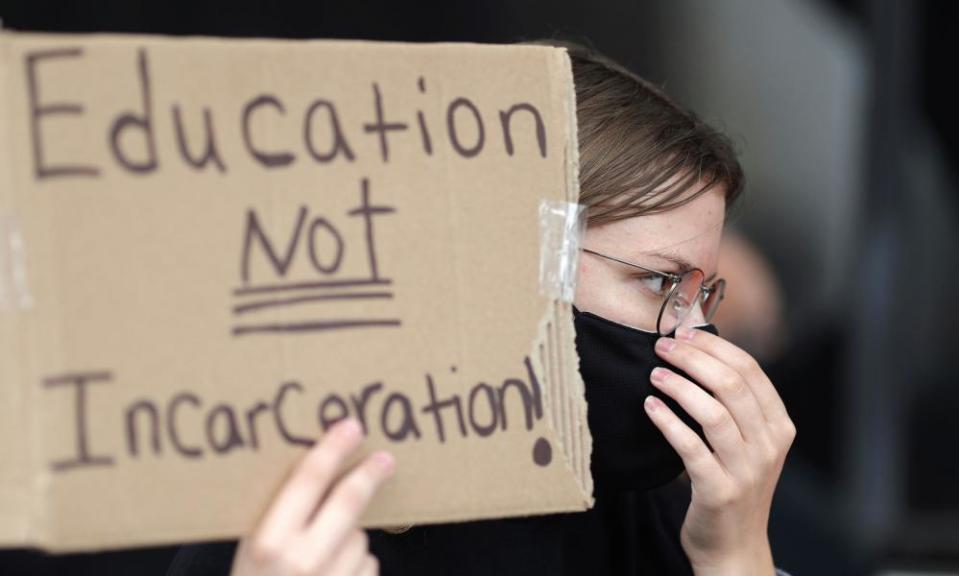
{"type": "Point", "coordinates": [753, 315]}
{"type": "Point", "coordinates": [665, 393]}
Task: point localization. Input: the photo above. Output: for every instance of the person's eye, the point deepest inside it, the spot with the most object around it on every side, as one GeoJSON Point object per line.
{"type": "Point", "coordinates": [653, 284]}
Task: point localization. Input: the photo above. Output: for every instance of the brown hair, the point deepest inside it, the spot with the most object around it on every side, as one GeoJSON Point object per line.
{"type": "Point", "coordinates": [634, 139]}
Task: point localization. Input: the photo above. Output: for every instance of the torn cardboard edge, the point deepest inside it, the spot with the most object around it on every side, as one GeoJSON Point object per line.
{"type": "Point", "coordinates": [29, 492]}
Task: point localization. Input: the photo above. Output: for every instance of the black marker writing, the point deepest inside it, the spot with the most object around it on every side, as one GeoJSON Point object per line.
{"type": "Point", "coordinates": [141, 123]}
{"type": "Point", "coordinates": [38, 111]}
{"type": "Point", "coordinates": [153, 428]}
{"type": "Point", "coordinates": [315, 132]}
{"type": "Point", "coordinates": [79, 381]}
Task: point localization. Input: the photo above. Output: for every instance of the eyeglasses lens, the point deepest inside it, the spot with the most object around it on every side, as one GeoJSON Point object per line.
{"type": "Point", "coordinates": [682, 301]}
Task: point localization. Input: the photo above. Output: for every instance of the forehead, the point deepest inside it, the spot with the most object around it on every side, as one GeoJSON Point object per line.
{"type": "Point", "coordinates": [691, 232]}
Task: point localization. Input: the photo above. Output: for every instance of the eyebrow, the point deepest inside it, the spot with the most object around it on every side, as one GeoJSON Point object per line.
{"type": "Point", "coordinates": [684, 265]}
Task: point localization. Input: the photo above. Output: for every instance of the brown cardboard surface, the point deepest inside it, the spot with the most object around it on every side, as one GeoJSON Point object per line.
{"type": "Point", "coordinates": [359, 234]}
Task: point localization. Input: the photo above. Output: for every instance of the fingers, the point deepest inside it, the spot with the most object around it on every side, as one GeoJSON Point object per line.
{"type": "Point", "coordinates": [737, 382]}
{"type": "Point", "coordinates": [769, 400]}
{"type": "Point", "coordinates": [347, 501]}
{"type": "Point", "coordinates": [699, 461]}
{"type": "Point", "coordinates": [310, 480]}
{"type": "Point", "coordinates": [732, 389]}
{"type": "Point", "coordinates": [311, 528]}
{"type": "Point", "coordinates": [720, 428]}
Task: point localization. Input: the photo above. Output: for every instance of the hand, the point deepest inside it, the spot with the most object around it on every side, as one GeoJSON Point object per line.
{"type": "Point", "coordinates": [311, 527]}
{"type": "Point", "coordinates": [725, 529]}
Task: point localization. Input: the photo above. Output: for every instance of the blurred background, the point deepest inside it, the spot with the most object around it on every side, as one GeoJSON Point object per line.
{"type": "Point", "coordinates": [842, 260]}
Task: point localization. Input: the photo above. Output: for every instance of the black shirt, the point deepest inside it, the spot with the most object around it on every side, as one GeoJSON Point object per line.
{"type": "Point", "coordinates": [625, 533]}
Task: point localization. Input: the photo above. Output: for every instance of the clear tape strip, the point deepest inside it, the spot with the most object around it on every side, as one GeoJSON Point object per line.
{"type": "Point", "coordinates": [14, 289]}
{"type": "Point", "coordinates": [561, 228]}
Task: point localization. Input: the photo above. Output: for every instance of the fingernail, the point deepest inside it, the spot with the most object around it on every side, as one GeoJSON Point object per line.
{"type": "Point", "coordinates": [386, 461]}
{"type": "Point", "coordinates": [658, 375]}
{"type": "Point", "coordinates": [652, 404]}
{"type": "Point", "coordinates": [685, 333]}
{"type": "Point", "coordinates": [665, 344]}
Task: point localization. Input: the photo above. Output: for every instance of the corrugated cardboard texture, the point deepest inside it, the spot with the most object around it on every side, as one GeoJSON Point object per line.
{"type": "Point", "coordinates": [229, 244]}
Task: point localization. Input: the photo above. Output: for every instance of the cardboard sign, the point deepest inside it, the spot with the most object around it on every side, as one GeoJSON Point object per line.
{"type": "Point", "coordinates": [214, 249]}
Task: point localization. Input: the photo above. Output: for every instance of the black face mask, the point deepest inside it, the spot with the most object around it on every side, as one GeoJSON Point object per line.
{"type": "Point", "coordinates": [629, 452]}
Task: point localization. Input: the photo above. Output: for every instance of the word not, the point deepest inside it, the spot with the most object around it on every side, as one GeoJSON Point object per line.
{"type": "Point", "coordinates": [313, 232]}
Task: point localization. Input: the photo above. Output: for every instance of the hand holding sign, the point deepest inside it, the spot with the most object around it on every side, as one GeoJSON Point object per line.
{"type": "Point", "coordinates": [312, 526]}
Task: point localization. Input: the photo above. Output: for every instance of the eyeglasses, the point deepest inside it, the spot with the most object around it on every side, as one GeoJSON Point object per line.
{"type": "Point", "coordinates": [678, 299]}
